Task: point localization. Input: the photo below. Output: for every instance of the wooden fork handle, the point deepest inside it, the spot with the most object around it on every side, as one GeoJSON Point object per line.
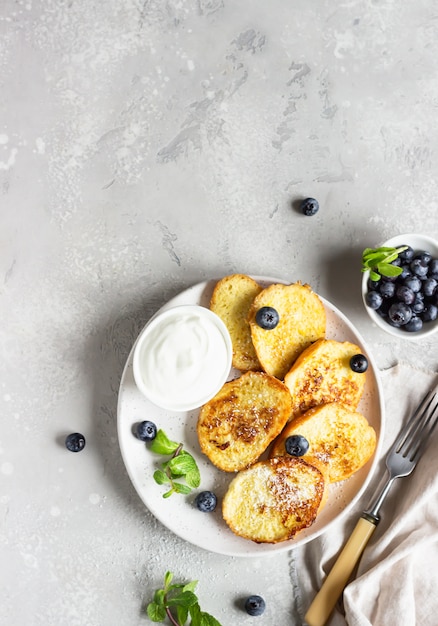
{"type": "Point", "coordinates": [325, 600]}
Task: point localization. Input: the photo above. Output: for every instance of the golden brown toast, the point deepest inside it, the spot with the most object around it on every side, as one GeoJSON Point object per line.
{"type": "Point", "coordinates": [231, 300]}
{"type": "Point", "coordinates": [239, 423]}
{"type": "Point", "coordinates": [338, 436]}
{"type": "Point", "coordinates": [322, 374]}
{"type": "Point", "coordinates": [302, 321]}
{"type": "Point", "coordinates": [274, 499]}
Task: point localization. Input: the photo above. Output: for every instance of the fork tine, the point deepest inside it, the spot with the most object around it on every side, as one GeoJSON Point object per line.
{"type": "Point", "coordinates": [428, 428]}
{"type": "Point", "coordinates": [417, 430]}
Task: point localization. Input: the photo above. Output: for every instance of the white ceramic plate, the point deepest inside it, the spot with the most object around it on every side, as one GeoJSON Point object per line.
{"type": "Point", "coordinates": [179, 513]}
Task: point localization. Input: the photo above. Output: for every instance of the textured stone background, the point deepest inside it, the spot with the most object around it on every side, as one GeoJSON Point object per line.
{"type": "Point", "coordinates": [146, 146]}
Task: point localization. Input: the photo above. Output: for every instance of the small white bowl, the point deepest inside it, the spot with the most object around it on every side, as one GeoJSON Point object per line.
{"type": "Point", "coordinates": [182, 357]}
{"type": "Point", "coordinates": [417, 242]}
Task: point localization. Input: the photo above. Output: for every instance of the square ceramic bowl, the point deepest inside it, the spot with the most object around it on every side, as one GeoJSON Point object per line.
{"type": "Point", "coordinates": [418, 243]}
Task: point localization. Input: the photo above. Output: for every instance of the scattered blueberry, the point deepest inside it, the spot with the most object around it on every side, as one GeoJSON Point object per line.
{"type": "Point", "coordinates": [146, 431]}
{"type": "Point", "coordinates": [75, 442]}
{"type": "Point", "coordinates": [359, 363]}
{"type": "Point", "coordinates": [206, 501]}
{"type": "Point", "coordinates": [310, 206]}
{"type": "Point", "coordinates": [255, 605]}
{"type": "Point", "coordinates": [267, 317]}
{"type": "Point", "coordinates": [410, 300]}
{"type": "Point", "coordinates": [296, 445]}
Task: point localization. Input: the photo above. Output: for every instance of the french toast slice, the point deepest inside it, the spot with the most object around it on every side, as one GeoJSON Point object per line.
{"type": "Point", "coordinates": [302, 321]}
{"type": "Point", "coordinates": [273, 500]}
{"type": "Point", "coordinates": [338, 436]}
{"type": "Point", "coordinates": [231, 300]}
{"type": "Point", "coordinates": [243, 418]}
{"type": "Point", "coordinates": [322, 374]}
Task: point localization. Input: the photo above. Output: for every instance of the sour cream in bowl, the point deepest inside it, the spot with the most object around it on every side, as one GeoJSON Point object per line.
{"type": "Point", "coordinates": [182, 357]}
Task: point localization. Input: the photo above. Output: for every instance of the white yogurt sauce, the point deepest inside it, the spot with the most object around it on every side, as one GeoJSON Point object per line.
{"type": "Point", "coordinates": [184, 358]}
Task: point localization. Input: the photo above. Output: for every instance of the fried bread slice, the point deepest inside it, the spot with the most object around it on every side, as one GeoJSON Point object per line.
{"type": "Point", "coordinates": [274, 499]}
{"type": "Point", "coordinates": [302, 321]}
{"type": "Point", "coordinates": [322, 374]}
{"type": "Point", "coordinates": [338, 436]}
{"type": "Point", "coordinates": [231, 300]}
{"type": "Point", "coordinates": [243, 418]}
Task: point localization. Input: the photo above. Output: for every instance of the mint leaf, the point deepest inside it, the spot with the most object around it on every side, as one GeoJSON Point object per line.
{"type": "Point", "coordinates": [182, 464]}
{"type": "Point", "coordinates": [180, 488]}
{"type": "Point", "coordinates": [182, 613]}
{"type": "Point", "coordinates": [161, 477]}
{"type": "Point", "coordinates": [162, 444]}
{"type": "Point", "coordinates": [185, 598]}
{"type": "Point", "coordinates": [176, 602]}
{"type": "Point", "coordinates": [378, 261]}
{"type": "Point", "coordinates": [191, 586]}
{"type": "Point", "coordinates": [156, 612]}
{"type": "Point", "coordinates": [193, 478]}
{"type": "Point", "coordinates": [201, 618]}
{"type": "Point", "coordinates": [386, 269]}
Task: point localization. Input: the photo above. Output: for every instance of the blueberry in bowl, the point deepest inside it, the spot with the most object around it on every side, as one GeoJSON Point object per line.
{"type": "Point", "coordinates": [400, 285]}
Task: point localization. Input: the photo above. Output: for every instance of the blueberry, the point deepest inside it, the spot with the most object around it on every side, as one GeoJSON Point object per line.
{"type": "Point", "coordinates": [414, 325]}
{"type": "Point", "coordinates": [400, 313]}
{"type": "Point", "coordinates": [75, 442]}
{"type": "Point", "coordinates": [267, 317]}
{"type": "Point", "coordinates": [309, 206]}
{"type": "Point", "coordinates": [419, 268]}
{"type": "Point", "coordinates": [418, 304]}
{"type": "Point", "coordinates": [296, 445]}
{"type": "Point", "coordinates": [406, 271]}
{"type": "Point", "coordinates": [373, 284]}
{"type": "Point", "coordinates": [407, 255]}
{"type": "Point", "coordinates": [424, 256]}
{"type": "Point", "coordinates": [430, 313]}
{"type": "Point", "coordinates": [255, 605]}
{"type": "Point", "coordinates": [146, 431]}
{"type": "Point", "coordinates": [404, 294]}
{"type": "Point", "coordinates": [387, 289]}
{"type": "Point", "coordinates": [429, 287]}
{"type": "Point", "coordinates": [359, 363]}
{"type": "Point", "coordinates": [433, 268]}
{"type": "Point", "coordinates": [373, 299]}
{"type": "Point", "coordinates": [413, 282]}
{"type": "Point", "coordinates": [206, 501]}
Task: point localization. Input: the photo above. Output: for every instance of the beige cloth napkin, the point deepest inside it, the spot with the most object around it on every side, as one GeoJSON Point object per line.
{"type": "Point", "coordinates": [396, 583]}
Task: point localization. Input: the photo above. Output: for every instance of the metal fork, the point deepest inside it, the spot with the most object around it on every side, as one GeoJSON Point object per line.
{"type": "Point", "coordinates": [401, 460]}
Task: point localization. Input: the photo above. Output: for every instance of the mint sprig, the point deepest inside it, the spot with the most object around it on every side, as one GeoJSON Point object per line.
{"type": "Point", "coordinates": [181, 465]}
{"type": "Point", "coordinates": [378, 261]}
{"type": "Point", "coordinates": [177, 602]}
